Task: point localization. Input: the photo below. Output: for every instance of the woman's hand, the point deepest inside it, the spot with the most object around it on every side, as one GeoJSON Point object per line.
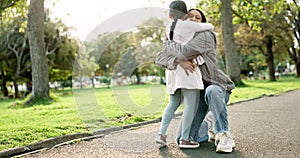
{"type": "Point", "coordinates": [186, 65]}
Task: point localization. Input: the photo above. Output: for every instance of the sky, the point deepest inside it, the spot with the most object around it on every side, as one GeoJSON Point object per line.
{"type": "Point", "coordinates": [86, 16]}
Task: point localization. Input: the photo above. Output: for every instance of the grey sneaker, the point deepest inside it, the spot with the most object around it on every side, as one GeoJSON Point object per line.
{"type": "Point", "coordinates": [188, 144]}
{"type": "Point", "coordinates": [224, 142]}
{"type": "Point", "coordinates": [161, 139]}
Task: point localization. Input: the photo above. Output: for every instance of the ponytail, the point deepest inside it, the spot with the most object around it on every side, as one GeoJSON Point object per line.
{"type": "Point", "coordinates": [177, 10]}
{"type": "Point", "coordinates": [172, 29]}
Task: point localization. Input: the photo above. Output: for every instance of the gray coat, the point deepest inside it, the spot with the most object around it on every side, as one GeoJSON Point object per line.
{"type": "Point", "coordinates": [204, 44]}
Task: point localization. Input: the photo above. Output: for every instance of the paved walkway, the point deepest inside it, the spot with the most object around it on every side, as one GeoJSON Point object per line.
{"type": "Point", "coordinates": [266, 127]}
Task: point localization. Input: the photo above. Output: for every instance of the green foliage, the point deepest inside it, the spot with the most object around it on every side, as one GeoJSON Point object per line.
{"type": "Point", "coordinates": [66, 83]}
{"type": "Point", "coordinates": [61, 50]}
{"type": "Point", "coordinates": [107, 49]}
{"type": "Point", "coordinates": [59, 74]}
{"type": "Point", "coordinates": [8, 4]}
{"type": "Point", "coordinates": [84, 66]}
{"type": "Point", "coordinates": [254, 21]}
{"type": "Point", "coordinates": [128, 52]}
{"type": "Point", "coordinates": [151, 30]}
{"type": "Point", "coordinates": [127, 64]}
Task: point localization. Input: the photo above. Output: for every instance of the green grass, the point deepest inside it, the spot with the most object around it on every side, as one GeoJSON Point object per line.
{"type": "Point", "coordinates": [84, 110]}
{"type": "Point", "coordinates": [256, 88]}
{"type": "Point", "coordinates": [21, 126]}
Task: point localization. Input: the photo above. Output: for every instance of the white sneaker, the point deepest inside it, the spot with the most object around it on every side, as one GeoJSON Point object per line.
{"type": "Point", "coordinates": [224, 142]}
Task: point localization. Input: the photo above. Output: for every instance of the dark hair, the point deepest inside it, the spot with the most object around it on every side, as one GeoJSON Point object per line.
{"type": "Point", "coordinates": [203, 18]}
{"type": "Point", "coordinates": [177, 9]}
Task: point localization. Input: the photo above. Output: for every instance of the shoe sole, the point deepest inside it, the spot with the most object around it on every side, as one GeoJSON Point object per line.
{"type": "Point", "coordinates": [211, 140]}
{"type": "Point", "coordinates": [224, 151]}
{"type": "Point", "coordinates": [161, 142]}
{"type": "Point", "coordinates": [188, 146]}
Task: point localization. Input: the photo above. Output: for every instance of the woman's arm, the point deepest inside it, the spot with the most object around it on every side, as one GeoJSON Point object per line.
{"type": "Point", "coordinates": [168, 61]}
{"type": "Point", "coordinates": [200, 44]}
{"type": "Point", "coordinates": [164, 60]}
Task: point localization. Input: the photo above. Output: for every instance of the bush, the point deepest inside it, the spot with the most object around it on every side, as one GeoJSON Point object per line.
{"type": "Point", "coordinates": [66, 83]}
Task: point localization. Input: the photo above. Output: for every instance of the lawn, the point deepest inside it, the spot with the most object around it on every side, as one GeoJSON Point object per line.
{"type": "Point", "coordinates": [85, 110]}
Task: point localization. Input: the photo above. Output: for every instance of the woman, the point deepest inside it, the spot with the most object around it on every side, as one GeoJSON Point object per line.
{"type": "Point", "coordinates": [206, 132]}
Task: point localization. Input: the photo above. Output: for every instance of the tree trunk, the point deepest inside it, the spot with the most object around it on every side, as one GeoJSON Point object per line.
{"type": "Point", "coordinates": [298, 64]}
{"type": "Point", "coordinates": [295, 56]}
{"type": "Point", "coordinates": [81, 84]}
{"type": "Point", "coordinates": [3, 86]}
{"type": "Point", "coordinates": [36, 36]}
{"type": "Point", "coordinates": [137, 75]}
{"type": "Point", "coordinates": [256, 72]}
{"type": "Point", "coordinates": [16, 89]}
{"type": "Point", "coordinates": [93, 83]}
{"type": "Point", "coordinates": [270, 58]}
{"type": "Point", "coordinates": [297, 28]}
{"type": "Point", "coordinates": [231, 53]}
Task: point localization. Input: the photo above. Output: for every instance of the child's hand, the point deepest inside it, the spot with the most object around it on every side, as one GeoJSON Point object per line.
{"type": "Point", "coordinates": [166, 38]}
{"type": "Point", "coordinates": [193, 64]}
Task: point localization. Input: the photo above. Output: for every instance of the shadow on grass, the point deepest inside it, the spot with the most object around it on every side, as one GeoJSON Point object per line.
{"type": "Point", "coordinates": [29, 102]}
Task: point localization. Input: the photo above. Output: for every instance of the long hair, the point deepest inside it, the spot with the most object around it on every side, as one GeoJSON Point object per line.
{"type": "Point", "coordinates": [177, 9]}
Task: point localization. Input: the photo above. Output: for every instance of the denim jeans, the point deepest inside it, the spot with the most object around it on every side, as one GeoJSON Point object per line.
{"type": "Point", "coordinates": [215, 100]}
{"type": "Point", "coordinates": [190, 100]}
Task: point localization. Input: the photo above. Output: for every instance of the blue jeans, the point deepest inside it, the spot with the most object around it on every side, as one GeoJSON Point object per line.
{"type": "Point", "coordinates": [215, 100]}
{"type": "Point", "coordinates": [190, 100]}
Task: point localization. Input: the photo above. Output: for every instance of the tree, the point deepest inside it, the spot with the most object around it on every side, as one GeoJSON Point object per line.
{"type": "Point", "coordinates": [107, 49]}
{"type": "Point", "coordinates": [147, 43]}
{"type": "Point", "coordinates": [259, 16]}
{"type": "Point", "coordinates": [231, 53]}
{"type": "Point", "coordinates": [36, 37]}
{"type": "Point", "coordinates": [220, 14]}
{"type": "Point", "coordinates": [265, 18]}
{"type": "Point", "coordinates": [127, 64]}
{"type": "Point", "coordinates": [4, 4]}
{"type": "Point", "coordinates": [119, 48]}
{"type": "Point", "coordinates": [61, 50]}
{"type": "Point", "coordinates": [294, 19]}
{"type": "Point", "coordinates": [14, 44]}
{"type": "Point", "coordinates": [84, 66]}
{"type": "Point", "coordinates": [17, 44]}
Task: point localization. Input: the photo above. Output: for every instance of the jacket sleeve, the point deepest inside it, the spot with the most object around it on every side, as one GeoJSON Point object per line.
{"type": "Point", "coordinates": [164, 60]}
{"type": "Point", "coordinates": [201, 43]}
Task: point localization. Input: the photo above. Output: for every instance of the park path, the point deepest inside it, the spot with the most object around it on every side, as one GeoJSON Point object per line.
{"type": "Point", "coordinates": [265, 127]}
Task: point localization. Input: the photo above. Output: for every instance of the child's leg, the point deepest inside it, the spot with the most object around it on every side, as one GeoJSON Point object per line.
{"type": "Point", "coordinates": [191, 101]}
{"type": "Point", "coordinates": [168, 114]}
